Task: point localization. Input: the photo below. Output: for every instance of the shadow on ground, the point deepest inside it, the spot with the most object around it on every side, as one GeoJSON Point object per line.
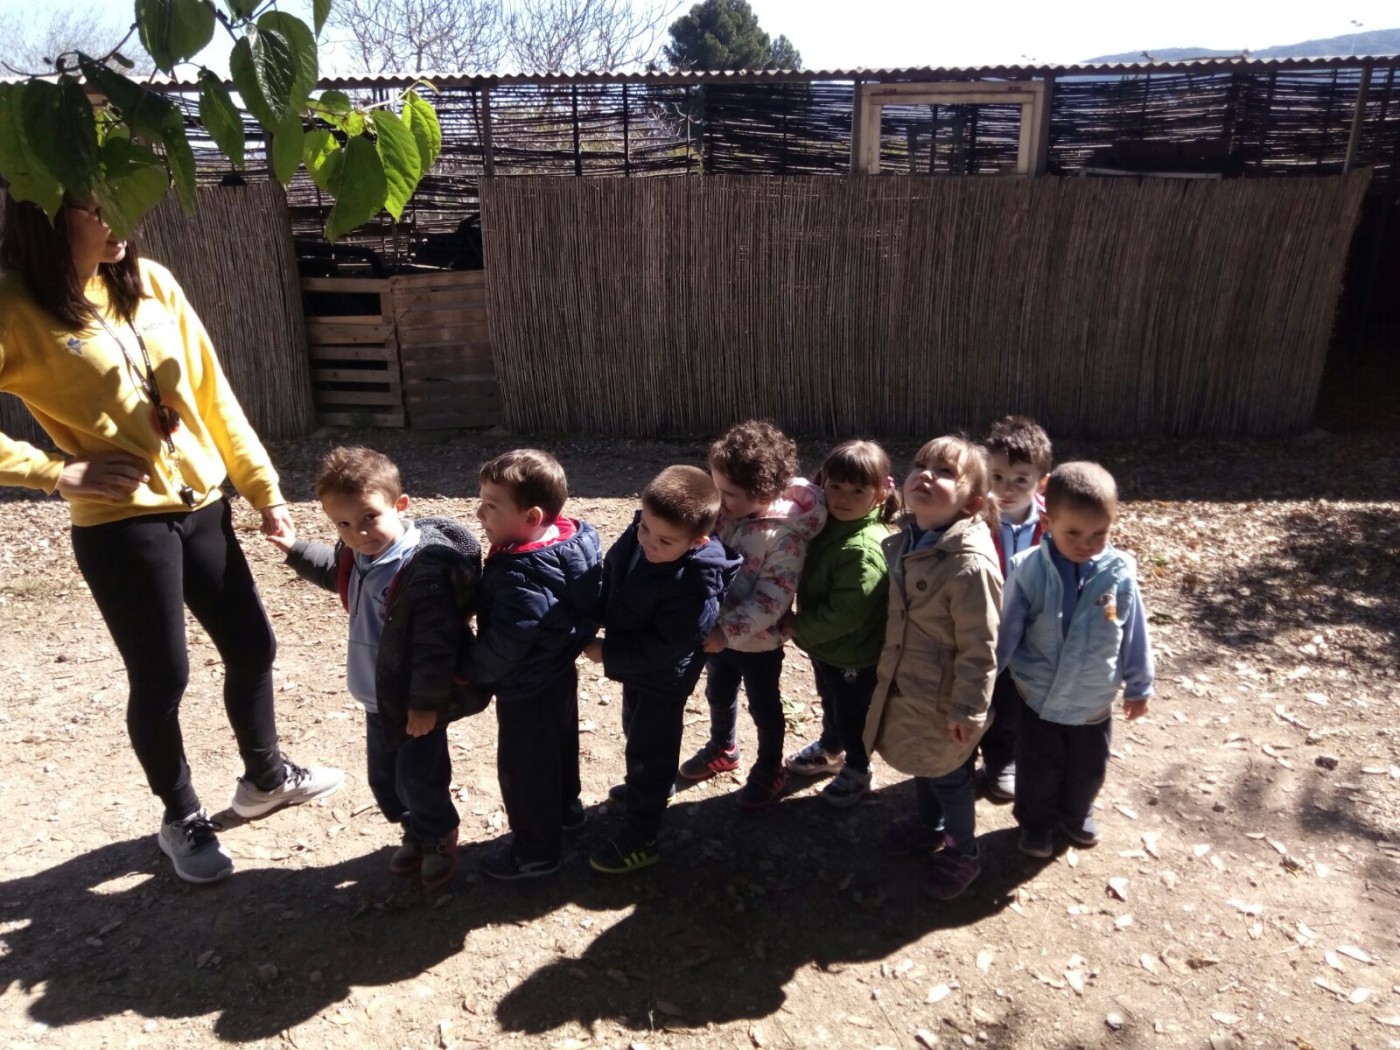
{"type": "Point", "coordinates": [739, 905]}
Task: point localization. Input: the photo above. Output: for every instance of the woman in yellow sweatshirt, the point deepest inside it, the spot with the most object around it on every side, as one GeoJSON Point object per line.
{"type": "Point", "coordinates": [112, 361]}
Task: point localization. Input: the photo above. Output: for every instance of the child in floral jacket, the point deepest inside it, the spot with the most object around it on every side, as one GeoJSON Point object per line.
{"type": "Point", "coordinates": [767, 517]}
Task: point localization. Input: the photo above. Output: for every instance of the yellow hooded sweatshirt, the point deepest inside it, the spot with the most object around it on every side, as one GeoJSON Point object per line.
{"type": "Point", "coordinates": [88, 397]}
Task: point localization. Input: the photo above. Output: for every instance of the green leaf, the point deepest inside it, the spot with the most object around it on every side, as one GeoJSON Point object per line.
{"type": "Point", "coordinates": [26, 176]}
{"type": "Point", "coordinates": [399, 153]}
{"type": "Point", "coordinates": [321, 11]}
{"type": "Point", "coordinates": [421, 119]}
{"type": "Point", "coordinates": [332, 104]}
{"type": "Point", "coordinates": [359, 189]}
{"type": "Point", "coordinates": [174, 30]}
{"type": "Point", "coordinates": [179, 158]}
{"type": "Point", "coordinates": [245, 79]}
{"type": "Point", "coordinates": [323, 157]}
{"type": "Point", "coordinates": [60, 131]}
{"type": "Point", "coordinates": [241, 8]}
{"type": "Point", "coordinates": [275, 66]}
{"type": "Point", "coordinates": [220, 117]}
{"type": "Point", "coordinates": [143, 110]}
{"type": "Point", "coordinates": [303, 46]}
{"type": "Point", "coordinates": [132, 182]}
{"type": "Point", "coordinates": [284, 149]}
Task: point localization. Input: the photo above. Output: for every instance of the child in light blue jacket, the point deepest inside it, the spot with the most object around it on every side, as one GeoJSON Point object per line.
{"type": "Point", "coordinates": [1073, 631]}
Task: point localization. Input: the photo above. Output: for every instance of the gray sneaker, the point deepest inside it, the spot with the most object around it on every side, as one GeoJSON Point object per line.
{"type": "Point", "coordinates": [848, 787]}
{"type": "Point", "coordinates": [194, 849]}
{"type": "Point", "coordinates": [301, 785]}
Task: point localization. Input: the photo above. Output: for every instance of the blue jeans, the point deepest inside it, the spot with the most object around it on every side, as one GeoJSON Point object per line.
{"type": "Point", "coordinates": [412, 784]}
{"type": "Point", "coordinates": [845, 693]}
{"type": "Point", "coordinates": [949, 802]}
{"type": "Point", "coordinates": [759, 674]}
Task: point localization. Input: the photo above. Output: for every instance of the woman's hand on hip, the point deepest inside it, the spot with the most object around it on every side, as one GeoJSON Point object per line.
{"type": "Point", "coordinates": [109, 475]}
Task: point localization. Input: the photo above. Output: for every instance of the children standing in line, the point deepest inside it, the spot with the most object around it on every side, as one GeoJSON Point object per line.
{"type": "Point", "coordinates": [1073, 631]}
{"type": "Point", "coordinates": [767, 516]}
{"type": "Point", "coordinates": [539, 590]}
{"type": "Point", "coordinates": [842, 602]}
{"type": "Point", "coordinates": [1020, 457]}
{"type": "Point", "coordinates": [939, 660]}
{"type": "Point", "coordinates": [410, 589]}
{"type": "Point", "coordinates": [662, 586]}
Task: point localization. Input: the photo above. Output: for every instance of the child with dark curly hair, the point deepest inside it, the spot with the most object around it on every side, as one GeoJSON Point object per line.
{"type": "Point", "coordinates": [767, 516]}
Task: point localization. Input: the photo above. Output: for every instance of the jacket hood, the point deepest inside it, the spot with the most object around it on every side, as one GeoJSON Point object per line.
{"type": "Point", "coordinates": [444, 532]}
{"type": "Point", "coordinates": [570, 563]}
{"type": "Point", "coordinates": [715, 559]}
{"type": "Point", "coordinates": [801, 509]}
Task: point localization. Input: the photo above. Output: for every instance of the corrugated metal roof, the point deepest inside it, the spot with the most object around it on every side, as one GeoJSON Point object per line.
{"type": "Point", "coordinates": [744, 76]}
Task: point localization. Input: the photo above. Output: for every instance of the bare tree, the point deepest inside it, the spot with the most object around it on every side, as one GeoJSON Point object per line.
{"type": "Point", "coordinates": [475, 36]}
{"type": "Point", "coordinates": [32, 46]}
{"type": "Point", "coordinates": [420, 36]}
{"type": "Point", "coordinates": [603, 35]}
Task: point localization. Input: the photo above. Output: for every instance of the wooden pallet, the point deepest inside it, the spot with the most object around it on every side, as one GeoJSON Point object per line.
{"type": "Point", "coordinates": [449, 375]}
{"type": "Point", "coordinates": [356, 380]}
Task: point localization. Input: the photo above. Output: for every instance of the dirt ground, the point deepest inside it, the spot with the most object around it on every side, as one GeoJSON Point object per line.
{"type": "Point", "coordinates": [1245, 894]}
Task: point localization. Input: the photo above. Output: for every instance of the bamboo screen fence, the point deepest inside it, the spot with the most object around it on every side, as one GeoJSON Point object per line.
{"type": "Point", "coordinates": [1112, 307]}
{"type": "Point", "coordinates": [234, 259]}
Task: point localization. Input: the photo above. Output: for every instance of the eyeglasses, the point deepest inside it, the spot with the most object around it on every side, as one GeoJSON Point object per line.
{"type": "Point", "coordinates": [92, 210]}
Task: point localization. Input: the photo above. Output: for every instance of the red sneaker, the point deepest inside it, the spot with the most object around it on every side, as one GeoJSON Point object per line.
{"type": "Point", "coordinates": [710, 760]}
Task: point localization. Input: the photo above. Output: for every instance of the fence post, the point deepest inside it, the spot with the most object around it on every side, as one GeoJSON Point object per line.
{"type": "Point", "coordinates": [1358, 117]}
{"type": "Point", "coordinates": [626, 139]}
{"type": "Point", "coordinates": [488, 158]}
{"type": "Point", "coordinates": [578, 153]}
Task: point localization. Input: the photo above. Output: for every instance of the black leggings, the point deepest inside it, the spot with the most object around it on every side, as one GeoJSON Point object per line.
{"type": "Point", "coordinates": [142, 572]}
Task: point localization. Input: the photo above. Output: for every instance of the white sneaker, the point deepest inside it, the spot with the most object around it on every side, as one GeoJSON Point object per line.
{"type": "Point", "coordinates": [849, 787]}
{"type": "Point", "coordinates": [194, 849]}
{"type": "Point", "coordinates": [301, 785]}
{"type": "Point", "coordinates": [814, 761]}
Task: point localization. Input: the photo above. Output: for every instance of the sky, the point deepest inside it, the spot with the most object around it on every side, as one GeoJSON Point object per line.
{"type": "Point", "coordinates": [834, 34]}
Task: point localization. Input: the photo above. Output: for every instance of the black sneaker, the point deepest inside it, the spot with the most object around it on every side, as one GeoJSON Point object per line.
{"type": "Point", "coordinates": [575, 816]}
{"type": "Point", "coordinates": [626, 853]}
{"type": "Point", "coordinates": [1084, 835]}
{"type": "Point", "coordinates": [617, 794]}
{"type": "Point", "coordinates": [502, 864]}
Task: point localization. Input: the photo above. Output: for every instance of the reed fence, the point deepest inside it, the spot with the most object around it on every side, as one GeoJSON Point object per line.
{"type": "Point", "coordinates": [235, 261]}
{"type": "Point", "coordinates": [1103, 307]}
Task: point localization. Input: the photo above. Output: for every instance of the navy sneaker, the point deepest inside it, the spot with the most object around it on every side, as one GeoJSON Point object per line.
{"type": "Point", "coordinates": [503, 865]}
{"type": "Point", "coordinates": [627, 853]}
{"type": "Point", "coordinates": [1084, 834]}
{"type": "Point", "coordinates": [1036, 842]}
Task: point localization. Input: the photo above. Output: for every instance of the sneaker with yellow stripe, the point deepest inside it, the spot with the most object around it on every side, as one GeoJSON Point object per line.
{"type": "Point", "coordinates": [626, 853]}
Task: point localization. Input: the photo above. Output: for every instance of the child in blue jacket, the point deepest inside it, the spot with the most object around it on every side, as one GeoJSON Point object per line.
{"type": "Point", "coordinates": [1073, 631]}
{"type": "Point", "coordinates": [409, 587]}
{"type": "Point", "coordinates": [663, 582]}
{"type": "Point", "coordinates": [539, 590]}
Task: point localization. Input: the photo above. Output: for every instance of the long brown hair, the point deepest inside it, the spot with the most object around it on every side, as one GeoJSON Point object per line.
{"type": "Point", "coordinates": [38, 250]}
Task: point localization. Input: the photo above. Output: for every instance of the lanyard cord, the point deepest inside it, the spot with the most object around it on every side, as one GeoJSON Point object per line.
{"type": "Point", "coordinates": [147, 382]}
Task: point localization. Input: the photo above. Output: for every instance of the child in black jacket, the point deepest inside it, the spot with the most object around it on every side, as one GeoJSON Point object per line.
{"type": "Point", "coordinates": [663, 582]}
{"type": "Point", "coordinates": [410, 588]}
{"type": "Point", "coordinates": [539, 587]}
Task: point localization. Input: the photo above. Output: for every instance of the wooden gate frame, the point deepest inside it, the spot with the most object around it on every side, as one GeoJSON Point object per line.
{"type": "Point", "coordinates": [1033, 96]}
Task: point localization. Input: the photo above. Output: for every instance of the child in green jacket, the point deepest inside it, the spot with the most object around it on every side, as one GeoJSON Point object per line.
{"type": "Point", "coordinates": [842, 604]}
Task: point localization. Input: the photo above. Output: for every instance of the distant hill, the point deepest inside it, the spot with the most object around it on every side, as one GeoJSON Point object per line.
{"type": "Point", "coordinates": [1368, 42]}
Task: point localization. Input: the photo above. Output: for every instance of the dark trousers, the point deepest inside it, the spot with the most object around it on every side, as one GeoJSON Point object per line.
{"type": "Point", "coordinates": [537, 765]}
{"type": "Point", "coordinates": [412, 783]}
{"type": "Point", "coordinates": [845, 693]}
{"type": "Point", "coordinates": [142, 573]}
{"type": "Point", "coordinates": [949, 802]}
{"type": "Point", "coordinates": [653, 723]}
{"type": "Point", "coordinates": [758, 673]}
{"type": "Point", "coordinates": [1059, 770]}
{"type": "Point", "coordinates": [999, 743]}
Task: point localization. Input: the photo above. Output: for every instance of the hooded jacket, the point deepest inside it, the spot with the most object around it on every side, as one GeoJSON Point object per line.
{"type": "Point", "coordinates": [939, 661]}
{"type": "Point", "coordinates": [535, 611]}
{"type": "Point", "coordinates": [843, 596]}
{"type": "Point", "coordinates": [772, 545]}
{"type": "Point", "coordinates": [426, 619]}
{"type": "Point", "coordinates": [657, 615]}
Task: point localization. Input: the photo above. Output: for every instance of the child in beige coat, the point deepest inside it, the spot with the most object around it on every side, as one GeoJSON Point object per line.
{"type": "Point", "coordinates": [938, 665]}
